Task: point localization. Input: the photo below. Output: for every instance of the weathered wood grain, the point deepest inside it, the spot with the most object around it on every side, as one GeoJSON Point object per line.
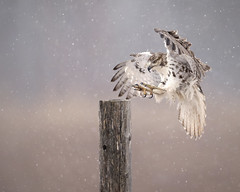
{"type": "Point", "coordinates": [115, 146]}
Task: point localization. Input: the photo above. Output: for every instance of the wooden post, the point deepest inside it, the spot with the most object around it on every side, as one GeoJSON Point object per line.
{"type": "Point", "coordinates": [115, 146]}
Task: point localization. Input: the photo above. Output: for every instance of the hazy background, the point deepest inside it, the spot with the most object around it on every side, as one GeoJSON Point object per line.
{"type": "Point", "coordinates": [56, 60]}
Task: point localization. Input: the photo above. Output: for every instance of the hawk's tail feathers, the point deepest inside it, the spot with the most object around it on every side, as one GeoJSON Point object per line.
{"type": "Point", "coordinates": [192, 113]}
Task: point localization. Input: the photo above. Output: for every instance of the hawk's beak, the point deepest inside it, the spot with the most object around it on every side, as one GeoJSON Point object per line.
{"type": "Point", "coordinates": [150, 67]}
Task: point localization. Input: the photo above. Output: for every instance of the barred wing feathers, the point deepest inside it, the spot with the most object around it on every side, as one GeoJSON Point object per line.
{"type": "Point", "coordinates": [134, 72]}
{"type": "Point", "coordinates": [179, 49]}
{"type": "Point", "coordinates": [191, 101]}
{"type": "Point", "coordinates": [192, 112]}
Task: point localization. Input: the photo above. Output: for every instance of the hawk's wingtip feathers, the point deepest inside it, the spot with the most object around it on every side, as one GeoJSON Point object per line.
{"type": "Point", "coordinates": [157, 30]}
{"type": "Point", "coordinates": [117, 75]}
{"type": "Point", "coordinates": [120, 65]}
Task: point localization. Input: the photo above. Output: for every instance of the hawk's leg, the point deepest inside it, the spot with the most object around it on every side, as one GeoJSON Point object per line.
{"type": "Point", "coordinates": [154, 89]}
{"type": "Point", "coordinates": [146, 88]}
{"type": "Point", "coordinates": [143, 90]}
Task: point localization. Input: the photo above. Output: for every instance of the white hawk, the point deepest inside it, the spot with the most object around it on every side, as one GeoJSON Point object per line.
{"type": "Point", "coordinates": [174, 75]}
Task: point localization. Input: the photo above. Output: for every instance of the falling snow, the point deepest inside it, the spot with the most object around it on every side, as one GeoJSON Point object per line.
{"type": "Point", "coordinates": [56, 62]}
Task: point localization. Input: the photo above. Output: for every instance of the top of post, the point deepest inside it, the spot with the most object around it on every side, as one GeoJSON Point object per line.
{"type": "Point", "coordinates": [115, 101]}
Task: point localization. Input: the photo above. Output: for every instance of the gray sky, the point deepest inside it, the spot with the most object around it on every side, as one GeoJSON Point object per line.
{"type": "Point", "coordinates": [56, 60]}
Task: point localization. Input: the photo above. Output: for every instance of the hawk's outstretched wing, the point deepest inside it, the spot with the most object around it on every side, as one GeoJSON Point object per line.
{"type": "Point", "coordinates": [135, 71]}
{"type": "Point", "coordinates": [178, 49]}
{"type": "Point", "coordinates": [191, 105]}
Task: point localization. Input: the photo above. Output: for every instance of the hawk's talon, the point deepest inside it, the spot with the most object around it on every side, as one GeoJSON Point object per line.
{"type": "Point", "coordinates": [137, 87]}
{"type": "Point", "coordinates": [151, 96]}
{"type": "Point", "coordinates": [144, 92]}
{"type": "Point", "coordinates": [146, 89]}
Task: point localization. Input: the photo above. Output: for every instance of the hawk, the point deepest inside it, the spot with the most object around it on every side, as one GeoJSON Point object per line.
{"type": "Point", "coordinates": [174, 75]}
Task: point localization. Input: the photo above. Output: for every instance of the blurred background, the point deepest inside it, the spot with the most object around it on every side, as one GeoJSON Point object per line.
{"type": "Point", "coordinates": [56, 60]}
